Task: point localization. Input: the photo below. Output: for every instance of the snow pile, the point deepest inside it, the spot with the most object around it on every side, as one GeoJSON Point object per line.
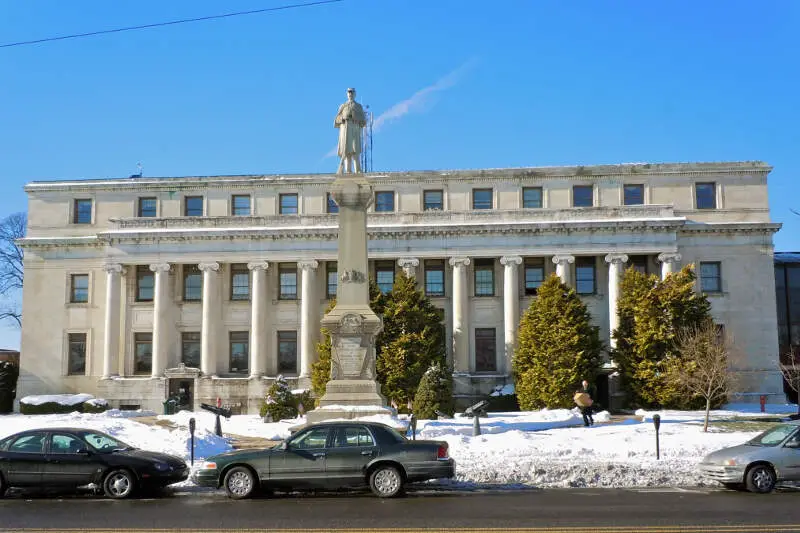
{"type": "Point", "coordinates": [504, 422]}
{"type": "Point", "coordinates": [154, 438]}
{"type": "Point", "coordinates": [61, 399]}
{"type": "Point", "coordinates": [244, 425]}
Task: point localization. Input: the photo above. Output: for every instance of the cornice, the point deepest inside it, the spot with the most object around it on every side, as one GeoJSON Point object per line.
{"type": "Point", "coordinates": [732, 227]}
{"type": "Point", "coordinates": [576, 172]}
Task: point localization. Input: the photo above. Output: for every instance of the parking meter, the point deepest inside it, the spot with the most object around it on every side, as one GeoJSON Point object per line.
{"type": "Point", "coordinates": [413, 421]}
{"type": "Point", "coordinates": [191, 438]}
{"type": "Point", "coordinates": [657, 424]}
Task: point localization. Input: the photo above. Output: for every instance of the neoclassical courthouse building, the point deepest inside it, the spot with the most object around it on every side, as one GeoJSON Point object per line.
{"type": "Point", "coordinates": [138, 287]}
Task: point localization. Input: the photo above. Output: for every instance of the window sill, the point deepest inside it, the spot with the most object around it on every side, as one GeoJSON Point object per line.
{"type": "Point", "coordinates": [239, 301]}
{"type": "Point", "coordinates": [715, 294]}
{"type": "Point", "coordinates": [143, 303]}
{"type": "Point", "coordinates": [78, 304]}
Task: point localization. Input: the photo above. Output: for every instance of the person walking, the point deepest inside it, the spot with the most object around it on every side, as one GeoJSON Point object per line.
{"type": "Point", "coordinates": [586, 410]}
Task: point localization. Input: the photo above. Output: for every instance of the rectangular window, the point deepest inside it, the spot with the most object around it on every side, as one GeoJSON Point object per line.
{"type": "Point", "coordinates": [79, 288]}
{"type": "Point", "coordinates": [484, 277]}
{"type": "Point", "coordinates": [384, 201]}
{"type": "Point", "coordinates": [287, 274]}
{"type": "Point", "coordinates": [585, 275]}
{"type": "Point", "coordinates": [633, 194]}
{"type": "Point", "coordinates": [711, 277]}
{"type": "Point", "coordinates": [192, 284]}
{"type": "Point", "coordinates": [485, 350]}
{"type": "Point", "coordinates": [534, 276]}
{"type": "Point", "coordinates": [240, 349]}
{"type": "Point", "coordinates": [240, 282]}
{"type": "Point", "coordinates": [638, 263]}
{"type": "Point", "coordinates": [333, 207]}
{"type": "Point", "coordinates": [82, 212]}
{"type": "Point", "coordinates": [190, 349]}
{"type": "Point", "coordinates": [705, 195]}
{"type": "Point", "coordinates": [288, 204]}
{"type": "Point", "coordinates": [193, 206]}
{"type": "Point", "coordinates": [582, 196]}
{"type": "Point", "coordinates": [240, 205]}
{"type": "Point", "coordinates": [143, 353]}
{"type": "Point", "coordinates": [531, 197]}
{"type": "Point", "coordinates": [287, 352]}
{"type": "Point", "coordinates": [145, 283]}
{"type": "Point", "coordinates": [147, 207]}
{"type": "Point", "coordinates": [433, 200]}
{"type": "Point", "coordinates": [434, 277]}
{"type": "Point", "coordinates": [76, 363]}
{"type": "Point", "coordinates": [384, 275]}
{"type": "Point", "coordinates": [332, 276]}
{"type": "Point", "coordinates": [482, 199]}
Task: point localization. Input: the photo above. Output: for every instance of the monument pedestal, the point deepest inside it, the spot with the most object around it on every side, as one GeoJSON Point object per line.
{"type": "Point", "coordinates": [352, 391]}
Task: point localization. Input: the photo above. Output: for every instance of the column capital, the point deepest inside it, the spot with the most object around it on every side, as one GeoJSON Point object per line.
{"type": "Point", "coordinates": [211, 266]}
{"type": "Point", "coordinates": [459, 261]}
{"type": "Point", "coordinates": [160, 267]}
{"type": "Point", "coordinates": [565, 259]}
{"type": "Point", "coordinates": [258, 265]}
{"type": "Point", "coordinates": [307, 265]}
{"type": "Point", "coordinates": [669, 257]}
{"type": "Point", "coordinates": [616, 259]}
{"type": "Point", "coordinates": [114, 268]}
{"type": "Point", "coordinates": [510, 260]}
{"type": "Point", "coordinates": [404, 262]}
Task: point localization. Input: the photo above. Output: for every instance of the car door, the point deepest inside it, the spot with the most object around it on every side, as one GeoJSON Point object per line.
{"type": "Point", "coordinates": [789, 463]}
{"type": "Point", "coordinates": [69, 461]}
{"type": "Point", "coordinates": [352, 448]}
{"type": "Point", "coordinates": [301, 462]}
{"type": "Point", "coordinates": [26, 459]}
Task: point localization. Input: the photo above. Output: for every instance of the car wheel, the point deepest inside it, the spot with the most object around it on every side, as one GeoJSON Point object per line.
{"type": "Point", "coordinates": [386, 482]}
{"type": "Point", "coordinates": [760, 478]}
{"type": "Point", "coordinates": [119, 484]}
{"type": "Point", "coordinates": [240, 483]}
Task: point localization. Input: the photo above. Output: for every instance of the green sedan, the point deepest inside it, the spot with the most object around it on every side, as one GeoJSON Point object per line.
{"type": "Point", "coordinates": [331, 455]}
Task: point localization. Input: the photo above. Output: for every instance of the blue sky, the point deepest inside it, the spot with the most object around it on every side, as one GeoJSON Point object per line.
{"type": "Point", "coordinates": [500, 83]}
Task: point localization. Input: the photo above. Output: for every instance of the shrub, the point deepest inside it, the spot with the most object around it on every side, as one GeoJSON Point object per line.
{"type": "Point", "coordinates": [281, 404]}
{"type": "Point", "coordinates": [54, 404]}
{"type": "Point", "coordinates": [435, 393]}
{"type": "Point", "coordinates": [94, 406]}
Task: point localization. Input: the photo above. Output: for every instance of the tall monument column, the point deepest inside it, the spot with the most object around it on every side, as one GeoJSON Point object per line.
{"type": "Point", "coordinates": [615, 266]}
{"type": "Point", "coordinates": [160, 313]}
{"type": "Point", "coordinates": [510, 306]}
{"type": "Point", "coordinates": [308, 308]}
{"type": "Point", "coordinates": [208, 333]}
{"type": "Point", "coordinates": [111, 343]}
{"type": "Point", "coordinates": [460, 315]}
{"type": "Point", "coordinates": [258, 317]}
{"type": "Point", "coordinates": [669, 261]}
{"type": "Point", "coordinates": [562, 263]}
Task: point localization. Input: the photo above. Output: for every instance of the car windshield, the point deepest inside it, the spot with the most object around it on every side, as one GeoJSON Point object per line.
{"type": "Point", "coordinates": [103, 443]}
{"type": "Point", "coordinates": [774, 436]}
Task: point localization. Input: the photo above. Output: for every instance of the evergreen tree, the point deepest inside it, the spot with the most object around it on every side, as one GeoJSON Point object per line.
{"type": "Point", "coordinates": [279, 402]}
{"type": "Point", "coordinates": [435, 393]}
{"type": "Point", "coordinates": [557, 348]}
{"type": "Point", "coordinates": [652, 313]}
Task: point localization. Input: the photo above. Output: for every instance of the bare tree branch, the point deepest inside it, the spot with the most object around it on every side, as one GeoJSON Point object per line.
{"type": "Point", "coordinates": [790, 369]}
{"type": "Point", "coordinates": [703, 368]}
{"type": "Point", "coordinates": [12, 258]}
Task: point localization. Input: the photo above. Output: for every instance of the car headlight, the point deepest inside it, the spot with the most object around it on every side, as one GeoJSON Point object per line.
{"type": "Point", "coordinates": [162, 467]}
{"type": "Point", "coordinates": [208, 465]}
{"type": "Point", "coordinates": [729, 462]}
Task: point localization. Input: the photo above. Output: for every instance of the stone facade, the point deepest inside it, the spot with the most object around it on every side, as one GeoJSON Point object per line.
{"type": "Point", "coordinates": [125, 279]}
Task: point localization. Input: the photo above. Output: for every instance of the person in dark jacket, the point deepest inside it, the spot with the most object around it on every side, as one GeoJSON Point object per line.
{"type": "Point", "coordinates": [586, 411]}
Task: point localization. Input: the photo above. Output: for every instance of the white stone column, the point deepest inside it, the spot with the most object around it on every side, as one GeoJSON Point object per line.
{"type": "Point", "coordinates": [114, 274]}
{"type": "Point", "coordinates": [258, 318]}
{"type": "Point", "coordinates": [669, 261]}
{"type": "Point", "coordinates": [460, 314]}
{"type": "Point", "coordinates": [208, 328]}
{"type": "Point", "coordinates": [562, 263]}
{"type": "Point", "coordinates": [307, 310]}
{"type": "Point", "coordinates": [615, 266]}
{"type": "Point", "coordinates": [409, 266]}
{"type": "Point", "coordinates": [510, 305]}
{"type": "Point", "coordinates": [161, 304]}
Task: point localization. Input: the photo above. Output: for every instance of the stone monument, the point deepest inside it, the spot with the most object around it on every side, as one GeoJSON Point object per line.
{"type": "Point", "coordinates": [352, 390]}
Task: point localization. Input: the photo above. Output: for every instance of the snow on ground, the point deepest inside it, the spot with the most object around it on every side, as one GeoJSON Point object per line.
{"type": "Point", "coordinates": [548, 448]}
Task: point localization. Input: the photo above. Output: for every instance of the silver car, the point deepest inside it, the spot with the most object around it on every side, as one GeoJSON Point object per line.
{"type": "Point", "coordinates": [757, 465]}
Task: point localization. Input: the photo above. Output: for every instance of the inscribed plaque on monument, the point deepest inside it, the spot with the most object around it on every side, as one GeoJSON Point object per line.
{"type": "Point", "coordinates": [351, 355]}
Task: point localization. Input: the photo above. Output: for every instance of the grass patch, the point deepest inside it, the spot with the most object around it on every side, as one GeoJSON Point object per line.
{"type": "Point", "coordinates": [733, 425]}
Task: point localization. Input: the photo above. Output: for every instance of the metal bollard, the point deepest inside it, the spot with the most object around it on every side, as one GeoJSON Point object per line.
{"type": "Point", "coordinates": [191, 435]}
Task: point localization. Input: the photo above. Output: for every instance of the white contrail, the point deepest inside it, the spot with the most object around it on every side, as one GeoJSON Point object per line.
{"type": "Point", "coordinates": [418, 99]}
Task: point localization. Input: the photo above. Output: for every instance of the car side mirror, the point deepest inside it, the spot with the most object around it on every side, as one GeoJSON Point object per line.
{"type": "Point", "coordinates": [284, 445]}
{"type": "Point", "coordinates": [792, 444]}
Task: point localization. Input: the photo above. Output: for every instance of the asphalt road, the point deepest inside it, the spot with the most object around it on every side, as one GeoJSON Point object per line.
{"type": "Point", "coordinates": [551, 511]}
